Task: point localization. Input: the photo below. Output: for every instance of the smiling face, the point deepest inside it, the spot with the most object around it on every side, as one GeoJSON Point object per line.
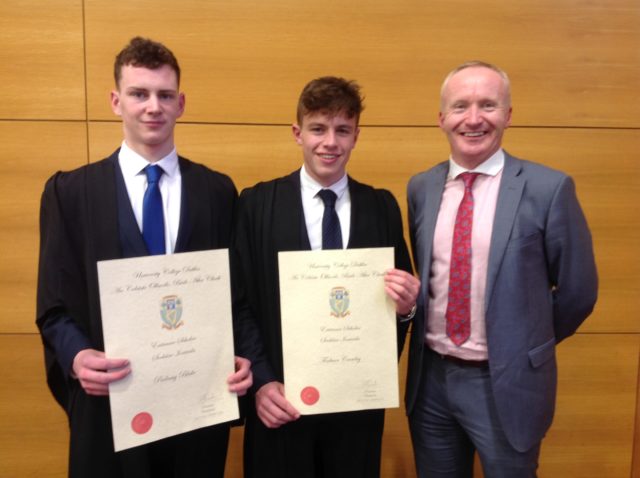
{"type": "Point", "coordinates": [326, 141]}
{"type": "Point", "coordinates": [474, 112]}
{"type": "Point", "coordinates": [149, 104]}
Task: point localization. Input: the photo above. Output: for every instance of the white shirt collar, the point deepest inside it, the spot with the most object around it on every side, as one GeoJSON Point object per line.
{"type": "Point", "coordinates": [491, 166]}
{"type": "Point", "coordinates": [133, 163]}
{"type": "Point", "coordinates": [311, 186]}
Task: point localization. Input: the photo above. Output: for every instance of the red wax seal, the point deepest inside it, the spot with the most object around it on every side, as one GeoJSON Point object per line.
{"type": "Point", "coordinates": [309, 395]}
{"type": "Point", "coordinates": [142, 423]}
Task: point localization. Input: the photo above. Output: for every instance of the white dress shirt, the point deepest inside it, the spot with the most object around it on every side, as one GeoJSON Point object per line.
{"type": "Point", "coordinates": [314, 207]}
{"type": "Point", "coordinates": [135, 179]}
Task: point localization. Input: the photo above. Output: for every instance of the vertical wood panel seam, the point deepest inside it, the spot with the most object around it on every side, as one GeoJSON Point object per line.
{"type": "Point", "coordinates": [635, 450]}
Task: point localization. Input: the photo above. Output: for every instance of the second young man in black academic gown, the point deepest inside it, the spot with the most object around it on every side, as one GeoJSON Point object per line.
{"type": "Point", "coordinates": [285, 214]}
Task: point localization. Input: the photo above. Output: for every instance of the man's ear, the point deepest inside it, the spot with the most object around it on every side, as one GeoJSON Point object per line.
{"type": "Point", "coordinates": [356, 136]}
{"type": "Point", "coordinates": [115, 102]}
{"type": "Point", "coordinates": [182, 101]}
{"type": "Point", "coordinates": [297, 131]}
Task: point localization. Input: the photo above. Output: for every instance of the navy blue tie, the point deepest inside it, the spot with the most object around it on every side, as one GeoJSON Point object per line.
{"type": "Point", "coordinates": [331, 232]}
{"type": "Point", "coordinates": [152, 215]}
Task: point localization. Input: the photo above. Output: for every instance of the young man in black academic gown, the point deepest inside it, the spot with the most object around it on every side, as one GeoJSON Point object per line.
{"type": "Point", "coordinates": [286, 214]}
{"type": "Point", "coordinates": [95, 213]}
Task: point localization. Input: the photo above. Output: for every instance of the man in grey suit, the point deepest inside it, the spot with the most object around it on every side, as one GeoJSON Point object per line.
{"type": "Point", "coordinates": [506, 261]}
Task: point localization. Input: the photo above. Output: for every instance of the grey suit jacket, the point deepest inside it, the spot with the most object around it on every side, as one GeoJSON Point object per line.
{"type": "Point", "coordinates": [541, 285]}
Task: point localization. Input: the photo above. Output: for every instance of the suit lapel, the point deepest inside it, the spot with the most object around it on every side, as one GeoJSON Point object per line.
{"type": "Point", "coordinates": [434, 187]}
{"type": "Point", "coordinates": [509, 196]}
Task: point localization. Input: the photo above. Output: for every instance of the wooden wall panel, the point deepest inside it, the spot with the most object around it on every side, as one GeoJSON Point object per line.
{"type": "Point", "coordinates": [246, 62]}
{"type": "Point", "coordinates": [592, 435]}
{"type": "Point", "coordinates": [34, 435]}
{"type": "Point", "coordinates": [43, 60]}
{"type": "Point", "coordinates": [104, 139]}
{"type": "Point", "coordinates": [30, 152]}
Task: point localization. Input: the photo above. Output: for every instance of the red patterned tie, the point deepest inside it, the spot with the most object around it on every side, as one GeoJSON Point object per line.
{"type": "Point", "coordinates": [458, 306]}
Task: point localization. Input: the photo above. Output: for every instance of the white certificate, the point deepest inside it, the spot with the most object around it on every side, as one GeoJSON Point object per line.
{"type": "Point", "coordinates": [170, 315]}
{"type": "Point", "coordinates": [338, 330]}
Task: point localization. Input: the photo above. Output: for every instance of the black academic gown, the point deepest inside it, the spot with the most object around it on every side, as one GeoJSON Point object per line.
{"type": "Point", "coordinates": [270, 219]}
{"type": "Point", "coordinates": [87, 217]}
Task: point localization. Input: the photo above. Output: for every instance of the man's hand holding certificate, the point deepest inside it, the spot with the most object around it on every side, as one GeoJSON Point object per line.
{"type": "Point", "coordinates": [170, 316]}
{"type": "Point", "coordinates": [338, 330]}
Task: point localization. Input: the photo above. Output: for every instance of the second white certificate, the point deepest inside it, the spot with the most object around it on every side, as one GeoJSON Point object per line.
{"type": "Point", "coordinates": [339, 335]}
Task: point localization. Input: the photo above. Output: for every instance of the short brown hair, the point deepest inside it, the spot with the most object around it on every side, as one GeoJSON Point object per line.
{"type": "Point", "coordinates": [143, 52]}
{"type": "Point", "coordinates": [331, 95]}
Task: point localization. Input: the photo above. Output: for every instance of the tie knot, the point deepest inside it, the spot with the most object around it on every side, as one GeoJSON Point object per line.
{"type": "Point", "coordinates": [153, 173]}
{"type": "Point", "coordinates": [468, 179]}
{"type": "Point", "coordinates": [328, 197]}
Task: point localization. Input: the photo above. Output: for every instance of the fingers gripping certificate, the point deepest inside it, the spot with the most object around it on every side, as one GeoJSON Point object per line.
{"type": "Point", "coordinates": [338, 330]}
{"type": "Point", "coordinates": [170, 315]}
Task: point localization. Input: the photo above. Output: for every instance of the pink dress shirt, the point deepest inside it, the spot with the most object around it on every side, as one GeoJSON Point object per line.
{"type": "Point", "coordinates": [485, 194]}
